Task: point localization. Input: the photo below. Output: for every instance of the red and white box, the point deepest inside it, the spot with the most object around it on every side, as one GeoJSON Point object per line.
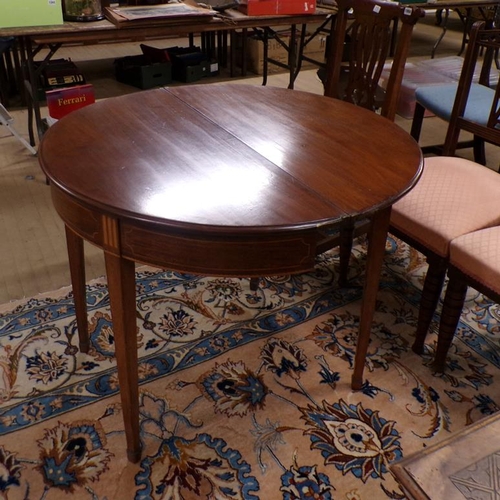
{"type": "Point", "coordinates": [277, 7]}
{"type": "Point", "coordinates": [62, 101]}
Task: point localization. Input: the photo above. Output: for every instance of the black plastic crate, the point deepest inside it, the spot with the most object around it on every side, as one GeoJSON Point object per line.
{"type": "Point", "coordinates": [140, 72]}
{"type": "Point", "coordinates": [57, 74]}
{"type": "Point", "coordinates": [190, 64]}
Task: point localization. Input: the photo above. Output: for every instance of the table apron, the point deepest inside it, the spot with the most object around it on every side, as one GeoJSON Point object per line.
{"type": "Point", "coordinates": [213, 253]}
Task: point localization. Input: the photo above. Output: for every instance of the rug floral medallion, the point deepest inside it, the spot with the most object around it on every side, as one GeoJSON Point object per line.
{"type": "Point", "coordinates": [244, 394]}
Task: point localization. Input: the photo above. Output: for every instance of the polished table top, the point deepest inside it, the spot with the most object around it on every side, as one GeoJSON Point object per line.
{"type": "Point", "coordinates": [226, 179]}
{"type": "Point", "coordinates": [230, 158]}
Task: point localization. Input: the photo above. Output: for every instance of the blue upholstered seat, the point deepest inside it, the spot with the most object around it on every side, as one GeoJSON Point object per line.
{"type": "Point", "coordinates": [439, 99]}
{"type": "Point", "coordinates": [468, 105]}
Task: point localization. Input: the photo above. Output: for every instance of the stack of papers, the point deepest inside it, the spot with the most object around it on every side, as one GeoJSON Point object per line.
{"type": "Point", "coordinates": [158, 14]}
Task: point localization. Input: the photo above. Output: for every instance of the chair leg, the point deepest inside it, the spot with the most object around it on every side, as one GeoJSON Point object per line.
{"type": "Point", "coordinates": [345, 250]}
{"type": "Point", "coordinates": [450, 316]}
{"type": "Point", "coordinates": [254, 284]}
{"type": "Point", "coordinates": [439, 17]}
{"type": "Point", "coordinates": [479, 151]}
{"type": "Point", "coordinates": [433, 284]}
{"type": "Point", "coordinates": [4, 82]}
{"type": "Point", "coordinates": [466, 28]}
{"type": "Point", "coordinates": [416, 124]}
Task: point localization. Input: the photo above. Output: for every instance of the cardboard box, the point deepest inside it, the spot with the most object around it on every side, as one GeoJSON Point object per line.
{"type": "Point", "coordinates": [277, 7]}
{"type": "Point", "coordinates": [315, 50]}
{"type": "Point", "coordinates": [17, 13]}
{"type": "Point", "coordinates": [139, 72]}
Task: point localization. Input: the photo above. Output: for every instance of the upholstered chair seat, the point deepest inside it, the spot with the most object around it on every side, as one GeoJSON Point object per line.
{"type": "Point", "coordinates": [453, 197]}
{"type": "Point", "coordinates": [477, 254]}
{"type": "Point", "coordinates": [471, 105]}
{"type": "Point", "coordinates": [440, 99]}
{"type": "Point", "coordinates": [475, 261]}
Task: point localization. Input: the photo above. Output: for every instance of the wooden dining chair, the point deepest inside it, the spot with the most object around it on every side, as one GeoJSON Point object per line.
{"type": "Point", "coordinates": [470, 15]}
{"type": "Point", "coordinates": [475, 262]}
{"type": "Point", "coordinates": [467, 105]}
{"type": "Point", "coordinates": [453, 197]}
{"type": "Point", "coordinates": [353, 74]}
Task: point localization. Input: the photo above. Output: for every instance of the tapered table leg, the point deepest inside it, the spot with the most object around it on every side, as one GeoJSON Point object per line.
{"type": "Point", "coordinates": [121, 286]}
{"type": "Point", "coordinates": [77, 271]}
{"type": "Point", "coordinates": [377, 236]}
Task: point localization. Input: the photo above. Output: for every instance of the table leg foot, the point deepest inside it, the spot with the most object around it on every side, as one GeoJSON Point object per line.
{"type": "Point", "coordinates": [84, 346]}
{"type": "Point", "coordinates": [356, 383]}
{"type": "Point", "coordinates": [134, 456]}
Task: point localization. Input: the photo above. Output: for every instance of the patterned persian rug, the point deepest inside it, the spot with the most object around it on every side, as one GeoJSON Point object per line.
{"type": "Point", "coordinates": [244, 395]}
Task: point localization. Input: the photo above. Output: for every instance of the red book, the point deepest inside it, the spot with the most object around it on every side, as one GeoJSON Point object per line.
{"type": "Point", "coordinates": [62, 101]}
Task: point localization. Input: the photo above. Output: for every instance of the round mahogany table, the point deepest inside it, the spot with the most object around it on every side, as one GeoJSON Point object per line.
{"type": "Point", "coordinates": [220, 180]}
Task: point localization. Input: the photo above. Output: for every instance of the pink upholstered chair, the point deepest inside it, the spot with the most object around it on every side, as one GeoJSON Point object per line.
{"type": "Point", "coordinates": [474, 261]}
{"type": "Point", "coordinates": [453, 197]}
